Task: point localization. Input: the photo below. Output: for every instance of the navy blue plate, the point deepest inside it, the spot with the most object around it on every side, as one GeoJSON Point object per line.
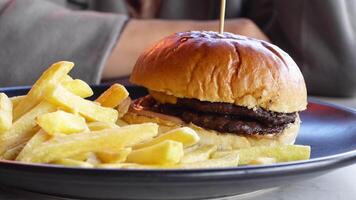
{"type": "Point", "coordinates": [329, 129]}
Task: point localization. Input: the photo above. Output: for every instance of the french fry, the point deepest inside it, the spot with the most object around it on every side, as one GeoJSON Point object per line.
{"type": "Point", "coordinates": [24, 128]}
{"type": "Point", "coordinates": [51, 77]}
{"type": "Point", "coordinates": [92, 159]}
{"type": "Point", "coordinates": [78, 87]}
{"type": "Point", "coordinates": [80, 156]}
{"type": "Point", "coordinates": [113, 96]}
{"type": "Point", "coordinates": [121, 122]}
{"type": "Point", "coordinates": [228, 160]}
{"type": "Point", "coordinates": [104, 156]}
{"type": "Point", "coordinates": [124, 166]}
{"type": "Point", "coordinates": [61, 122]}
{"type": "Point", "coordinates": [67, 78]}
{"type": "Point", "coordinates": [72, 163]}
{"type": "Point", "coordinates": [164, 153]}
{"type": "Point", "coordinates": [5, 113]}
{"type": "Point", "coordinates": [282, 153]}
{"type": "Point", "coordinates": [202, 153]}
{"type": "Point", "coordinates": [97, 126]}
{"type": "Point", "coordinates": [16, 100]}
{"type": "Point", "coordinates": [75, 144]}
{"type": "Point", "coordinates": [90, 110]}
{"type": "Point", "coordinates": [263, 161]}
{"type": "Point", "coordinates": [12, 153]}
{"type": "Point", "coordinates": [191, 149]}
{"type": "Point", "coordinates": [124, 107]}
{"type": "Point", "coordinates": [113, 157]}
{"type": "Point", "coordinates": [134, 166]}
{"type": "Point", "coordinates": [39, 138]}
{"type": "Point", "coordinates": [185, 135]}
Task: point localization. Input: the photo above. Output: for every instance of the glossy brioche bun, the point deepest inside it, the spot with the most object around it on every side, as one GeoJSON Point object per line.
{"type": "Point", "coordinates": [224, 141]}
{"type": "Point", "coordinates": [222, 68]}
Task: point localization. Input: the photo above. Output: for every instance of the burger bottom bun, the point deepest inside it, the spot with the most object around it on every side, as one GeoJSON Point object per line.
{"type": "Point", "coordinates": [224, 141]}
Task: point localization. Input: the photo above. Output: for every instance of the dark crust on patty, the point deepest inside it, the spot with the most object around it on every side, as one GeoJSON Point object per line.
{"type": "Point", "coordinates": [229, 109]}
{"type": "Point", "coordinates": [221, 117]}
{"type": "Point", "coordinates": [226, 123]}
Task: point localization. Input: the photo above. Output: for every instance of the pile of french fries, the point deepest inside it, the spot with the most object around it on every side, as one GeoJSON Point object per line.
{"type": "Point", "coordinates": [55, 124]}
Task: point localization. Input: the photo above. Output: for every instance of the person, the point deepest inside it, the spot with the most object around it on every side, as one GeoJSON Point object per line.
{"type": "Point", "coordinates": [318, 34]}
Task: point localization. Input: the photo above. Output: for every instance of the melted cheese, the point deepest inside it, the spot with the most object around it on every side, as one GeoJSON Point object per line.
{"type": "Point", "coordinates": [162, 97]}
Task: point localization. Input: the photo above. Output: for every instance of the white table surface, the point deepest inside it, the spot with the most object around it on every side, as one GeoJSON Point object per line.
{"type": "Point", "coordinates": [337, 185]}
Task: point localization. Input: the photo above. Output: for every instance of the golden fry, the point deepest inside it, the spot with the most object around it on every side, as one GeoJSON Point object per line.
{"type": "Point", "coordinates": [113, 157]}
{"type": "Point", "coordinates": [72, 163]}
{"type": "Point", "coordinates": [92, 159]}
{"type": "Point", "coordinates": [163, 153]}
{"type": "Point", "coordinates": [75, 144]}
{"type": "Point", "coordinates": [51, 77]}
{"type": "Point", "coordinates": [66, 78]}
{"type": "Point", "coordinates": [5, 113]}
{"type": "Point", "coordinates": [90, 110]}
{"type": "Point", "coordinates": [16, 100]}
{"type": "Point", "coordinates": [80, 156]}
{"type": "Point", "coordinates": [199, 154]}
{"type": "Point", "coordinates": [121, 122]}
{"type": "Point", "coordinates": [185, 135]}
{"type": "Point", "coordinates": [78, 87]}
{"type": "Point", "coordinates": [124, 166]}
{"type": "Point", "coordinates": [39, 138]}
{"type": "Point", "coordinates": [24, 128]}
{"type": "Point", "coordinates": [12, 153]}
{"type": "Point", "coordinates": [61, 122]}
{"type": "Point", "coordinates": [282, 153]}
{"type": "Point", "coordinates": [228, 160]}
{"type": "Point", "coordinates": [113, 96]}
{"type": "Point", "coordinates": [263, 161]}
{"type": "Point", "coordinates": [98, 126]}
{"type": "Point", "coordinates": [124, 107]}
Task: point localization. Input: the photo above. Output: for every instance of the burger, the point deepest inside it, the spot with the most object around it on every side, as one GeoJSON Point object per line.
{"type": "Point", "coordinates": [235, 91]}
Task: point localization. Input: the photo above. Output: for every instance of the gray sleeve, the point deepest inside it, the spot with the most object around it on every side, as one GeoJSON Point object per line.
{"type": "Point", "coordinates": [36, 33]}
{"type": "Point", "coordinates": [321, 36]}
{"type": "Point", "coordinates": [328, 46]}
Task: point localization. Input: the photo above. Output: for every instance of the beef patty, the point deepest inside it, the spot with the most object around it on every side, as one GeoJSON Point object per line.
{"type": "Point", "coordinates": [222, 117]}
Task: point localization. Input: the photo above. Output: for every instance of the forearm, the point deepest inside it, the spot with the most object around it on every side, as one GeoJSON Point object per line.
{"type": "Point", "coordinates": [140, 34]}
{"type": "Point", "coordinates": [137, 35]}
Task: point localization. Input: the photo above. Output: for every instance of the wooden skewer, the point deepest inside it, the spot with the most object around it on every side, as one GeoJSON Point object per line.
{"type": "Point", "coordinates": [222, 16]}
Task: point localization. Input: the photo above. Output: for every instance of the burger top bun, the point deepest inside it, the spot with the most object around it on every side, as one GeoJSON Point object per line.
{"type": "Point", "coordinates": [223, 68]}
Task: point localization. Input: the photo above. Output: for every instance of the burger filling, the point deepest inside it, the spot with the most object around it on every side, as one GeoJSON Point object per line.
{"type": "Point", "coordinates": [222, 117]}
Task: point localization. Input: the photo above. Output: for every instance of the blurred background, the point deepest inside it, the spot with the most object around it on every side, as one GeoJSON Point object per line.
{"type": "Point", "coordinates": [104, 38]}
